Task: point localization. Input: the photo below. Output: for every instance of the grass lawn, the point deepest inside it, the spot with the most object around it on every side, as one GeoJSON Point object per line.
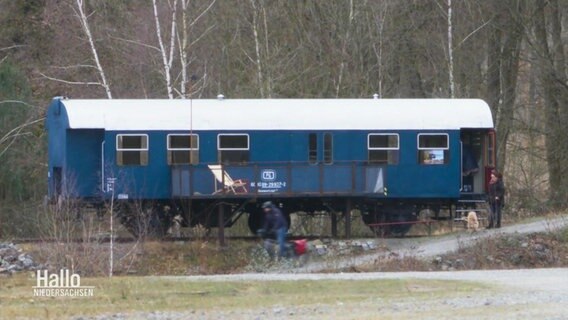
{"type": "Point", "coordinates": [146, 294]}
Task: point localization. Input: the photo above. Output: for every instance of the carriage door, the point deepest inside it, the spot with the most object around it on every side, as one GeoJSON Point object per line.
{"type": "Point", "coordinates": [57, 182]}
{"type": "Point", "coordinates": [473, 146]}
{"type": "Point", "coordinates": [320, 155]}
{"type": "Point", "coordinates": [320, 152]}
{"type": "Point", "coordinates": [489, 159]}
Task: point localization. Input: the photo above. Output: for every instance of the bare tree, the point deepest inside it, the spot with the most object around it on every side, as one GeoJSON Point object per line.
{"type": "Point", "coordinates": [344, 48]}
{"type": "Point", "coordinates": [450, 52]}
{"type": "Point", "coordinates": [80, 12]}
{"type": "Point", "coordinates": [8, 138]}
{"type": "Point", "coordinates": [255, 15]}
{"type": "Point", "coordinates": [552, 60]}
{"type": "Point", "coordinates": [167, 53]}
{"type": "Point", "coordinates": [379, 16]}
{"type": "Point", "coordinates": [504, 47]}
{"type": "Point", "coordinates": [185, 45]}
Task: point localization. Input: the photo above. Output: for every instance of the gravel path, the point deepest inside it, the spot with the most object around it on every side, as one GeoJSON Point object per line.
{"type": "Point", "coordinates": [430, 247]}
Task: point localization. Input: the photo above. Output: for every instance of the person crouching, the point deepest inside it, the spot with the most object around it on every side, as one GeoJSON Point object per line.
{"type": "Point", "coordinates": [275, 223]}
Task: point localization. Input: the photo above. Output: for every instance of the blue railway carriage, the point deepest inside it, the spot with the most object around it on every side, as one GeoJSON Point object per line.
{"type": "Point", "coordinates": [211, 161]}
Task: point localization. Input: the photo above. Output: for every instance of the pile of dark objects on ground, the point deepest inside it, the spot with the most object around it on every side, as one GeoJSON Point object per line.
{"type": "Point", "coordinates": [12, 260]}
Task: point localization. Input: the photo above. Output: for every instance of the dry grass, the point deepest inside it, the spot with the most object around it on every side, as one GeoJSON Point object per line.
{"type": "Point", "coordinates": [197, 257]}
{"type": "Point", "coordinates": [144, 258]}
{"type": "Point", "coordinates": [548, 249]}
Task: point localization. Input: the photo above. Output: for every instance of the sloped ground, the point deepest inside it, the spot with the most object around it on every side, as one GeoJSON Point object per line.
{"type": "Point", "coordinates": [539, 244]}
{"type": "Point", "coordinates": [499, 251]}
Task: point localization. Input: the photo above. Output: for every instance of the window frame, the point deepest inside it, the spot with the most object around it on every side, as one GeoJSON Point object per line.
{"type": "Point", "coordinates": [445, 149]}
{"type": "Point", "coordinates": [490, 149]}
{"type": "Point", "coordinates": [312, 149]}
{"type": "Point", "coordinates": [327, 154]}
{"type": "Point", "coordinates": [120, 149]}
{"type": "Point", "coordinates": [387, 149]}
{"type": "Point", "coordinates": [220, 150]}
{"type": "Point", "coordinates": [190, 149]}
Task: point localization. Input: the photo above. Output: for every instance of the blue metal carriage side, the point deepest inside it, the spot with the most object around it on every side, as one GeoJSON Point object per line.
{"type": "Point", "coordinates": [212, 160]}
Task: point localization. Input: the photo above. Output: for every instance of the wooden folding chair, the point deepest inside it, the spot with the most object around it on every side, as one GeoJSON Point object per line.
{"type": "Point", "coordinates": [221, 176]}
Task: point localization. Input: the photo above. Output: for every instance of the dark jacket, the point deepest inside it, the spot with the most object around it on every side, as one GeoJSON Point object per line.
{"type": "Point", "coordinates": [274, 220]}
{"type": "Point", "coordinates": [497, 189]}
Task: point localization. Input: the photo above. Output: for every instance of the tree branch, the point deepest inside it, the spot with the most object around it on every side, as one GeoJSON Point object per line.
{"type": "Point", "coordinates": [85, 24]}
{"type": "Point", "coordinates": [13, 47]}
{"type": "Point", "coordinates": [136, 42]}
{"type": "Point", "coordinates": [202, 13]}
{"type": "Point", "coordinates": [71, 82]}
{"type": "Point", "coordinates": [16, 132]}
{"type": "Point", "coordinates": [17, 101]}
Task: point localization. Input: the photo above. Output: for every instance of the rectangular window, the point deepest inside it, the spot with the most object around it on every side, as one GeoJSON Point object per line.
{"type": "Point", "coordinates": [313, 148]}
{"type": "Point", "coordinates": [183, 149]}
{"type": "Point", "coordinates": [383, 148]}
{"type": "Point", "coordinates": [233, 148]}
{"type": "Point", "coordinates": [327, 148]}
{"type": "Point", "coordinates": [433, 148]}
{"type": "Point", "coordinates": [490, 152]}
{"type": "Point", "coordinates": [132, 149]}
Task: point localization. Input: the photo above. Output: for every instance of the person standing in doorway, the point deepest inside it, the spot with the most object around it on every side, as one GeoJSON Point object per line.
{"type": "Point", "coordinates": [496, 199]}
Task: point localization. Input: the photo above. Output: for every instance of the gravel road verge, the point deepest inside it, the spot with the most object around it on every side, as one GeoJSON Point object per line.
{"type": "Point", "coordinates": [507, 294]}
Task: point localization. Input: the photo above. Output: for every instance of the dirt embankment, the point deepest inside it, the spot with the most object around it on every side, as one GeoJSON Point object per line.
{"type": "Point", "coordinates": [540, 244]}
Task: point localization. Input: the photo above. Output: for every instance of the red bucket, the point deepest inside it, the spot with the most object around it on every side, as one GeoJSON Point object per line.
{"type": "Point", "coordinates": [300, 246]}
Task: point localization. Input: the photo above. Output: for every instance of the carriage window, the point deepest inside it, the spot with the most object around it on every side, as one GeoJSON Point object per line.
{"type": "Point", "coordinates": [132, 149]}
{"type": "Point", "coordinates": [433, 148]}
{"type": "Point", "coordinates": [327, 148]}
{"type": "Point", "coordinates": [183, 149]}
{"type": "Point", "coordinates": [233, 148]}
{"type": "Point", "coordinates": [490, 154]}
{"type": "Point", "coordinates": [383, 148]}
{"type": "Point", "coordinates": [313, 148]}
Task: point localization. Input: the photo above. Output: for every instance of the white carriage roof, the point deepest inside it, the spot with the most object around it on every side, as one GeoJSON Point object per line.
{"type": "Point", "coordinates": [274, 114]}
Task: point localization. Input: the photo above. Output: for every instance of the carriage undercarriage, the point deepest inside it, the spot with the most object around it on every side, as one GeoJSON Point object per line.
{"type": "Point", "coordinates": [391, 217]}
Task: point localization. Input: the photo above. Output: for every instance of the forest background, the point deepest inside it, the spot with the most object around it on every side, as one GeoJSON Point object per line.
{"type": "Point", "coordinates": [511, 53]}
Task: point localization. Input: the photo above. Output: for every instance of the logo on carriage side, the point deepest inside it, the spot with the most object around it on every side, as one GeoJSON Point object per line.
{"type": "Point", "coordinates": [268, 175]}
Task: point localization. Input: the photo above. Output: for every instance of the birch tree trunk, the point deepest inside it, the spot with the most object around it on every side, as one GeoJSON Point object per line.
{"type": "Point", "coordinates": [185, 45]}
{"type": "Point", "coordinates": [257, 48]}
{"type": "Point", "coordinates": [379, 19]}
{"type": "Point", "coordinates": [450, 51]}
{"type": "Point", "coordinates": [344, 49]}
{"type": "Point", "coordinates": [183, 50]}
{"type": "Point", "coordinates": [268, 76]}
{"type": "Point", "coordinates": [167, 57]}
{"type": "Point", "coordinates": [85, 25]}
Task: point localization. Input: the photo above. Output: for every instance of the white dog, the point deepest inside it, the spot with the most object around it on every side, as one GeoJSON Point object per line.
{"type": "Point", "coordinates": [472, 221]}
{"type": "Point", "coordinates": [175, 229]}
